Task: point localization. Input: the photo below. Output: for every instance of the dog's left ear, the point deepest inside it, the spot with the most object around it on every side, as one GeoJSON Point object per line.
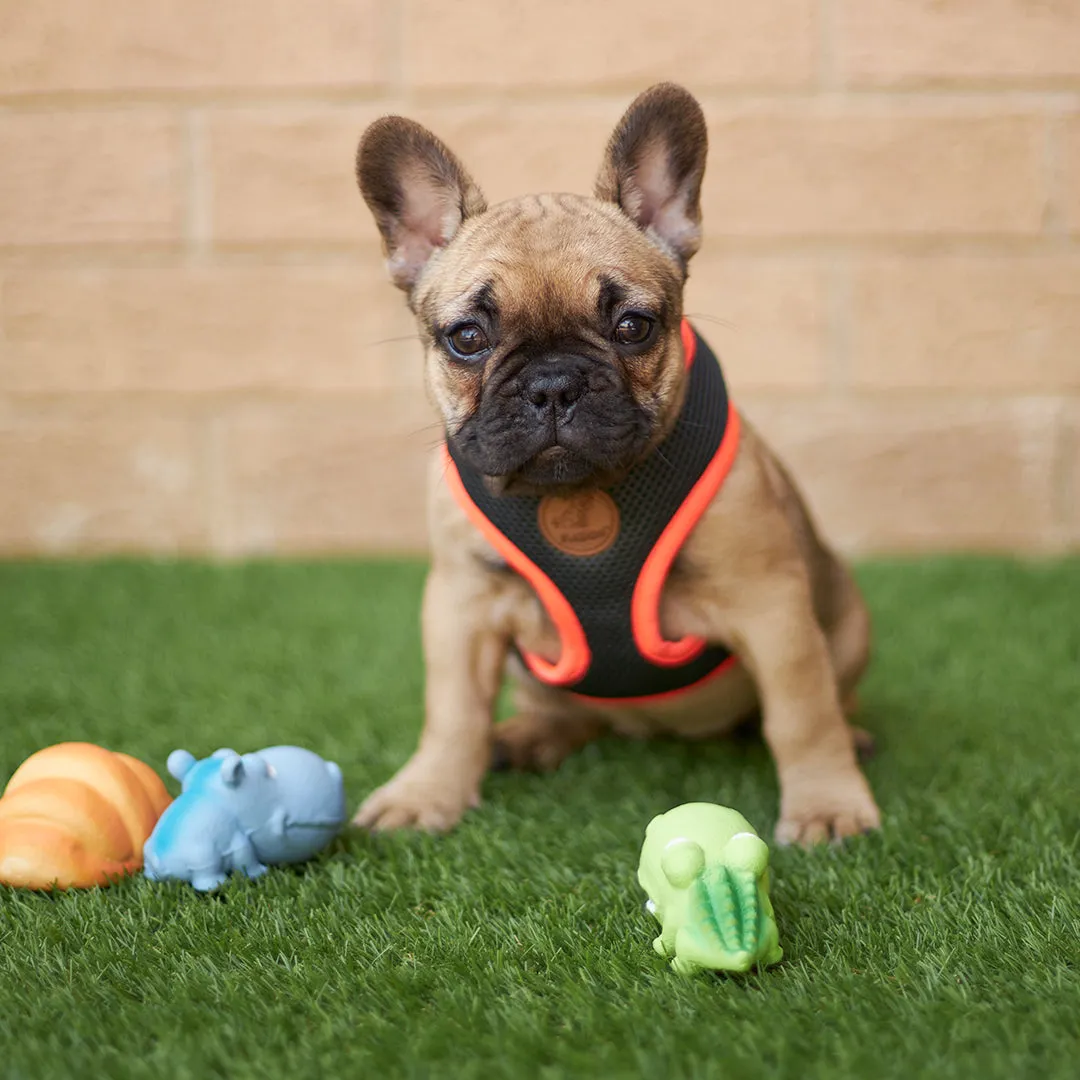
{"type": "Point", "coordinates": [654, 166]}
{"type": "Point", "coordinates": [417, 190]}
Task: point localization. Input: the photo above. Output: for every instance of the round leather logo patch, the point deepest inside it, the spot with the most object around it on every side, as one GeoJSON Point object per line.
{"type": "Point", "coordinates": [585, 523]}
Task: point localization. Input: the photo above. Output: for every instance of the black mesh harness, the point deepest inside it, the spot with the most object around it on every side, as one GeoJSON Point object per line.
{"type": "Point", "coordinates": [606, 605]}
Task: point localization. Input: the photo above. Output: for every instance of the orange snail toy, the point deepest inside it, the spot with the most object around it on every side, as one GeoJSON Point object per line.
{"type": "Point", "coordinates": [75, 815]}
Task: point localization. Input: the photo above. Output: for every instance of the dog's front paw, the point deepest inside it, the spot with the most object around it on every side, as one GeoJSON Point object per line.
{"type": "Point", "coordinates": [830, 809]}
{"type": "Point", "coordinates": [418, 798]}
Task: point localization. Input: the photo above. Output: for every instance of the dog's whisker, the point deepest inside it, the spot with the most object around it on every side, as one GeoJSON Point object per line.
{"type": "Point", "coordinates": [702, 317]}
{"type": "Point", "coordinates": [666, 460]}
{"type": "Point", "coordinates": [395, 340]}
{"type": "Point", "coordinates": [426, 428]}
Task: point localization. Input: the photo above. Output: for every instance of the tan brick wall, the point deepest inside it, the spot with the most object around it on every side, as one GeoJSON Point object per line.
{"type": "Point", "coordinates": [199, 350]}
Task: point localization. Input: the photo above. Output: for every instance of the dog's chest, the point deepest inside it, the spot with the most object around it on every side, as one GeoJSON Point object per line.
{"type": "Point", "coordinates": [530, 625]}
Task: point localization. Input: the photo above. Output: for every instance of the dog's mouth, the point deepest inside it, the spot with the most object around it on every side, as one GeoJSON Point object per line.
{"type": "Point", "coordinates": [593, 442]}
{"type": "Point", "coordinates": [555, 466]}
{"type": "Point", "coordinates": [551, 464]}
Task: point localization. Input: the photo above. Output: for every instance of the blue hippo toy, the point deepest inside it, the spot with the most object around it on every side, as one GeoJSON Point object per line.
{"type": "Point", "coordinates": [244, 812]}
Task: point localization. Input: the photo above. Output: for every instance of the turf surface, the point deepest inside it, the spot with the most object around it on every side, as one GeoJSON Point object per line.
{"type": "Point", "coordinates": [946, 946]}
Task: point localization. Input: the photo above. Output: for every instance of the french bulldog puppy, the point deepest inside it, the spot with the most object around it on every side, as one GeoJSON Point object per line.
{"type": "Point", "coordinates": [558, 357]}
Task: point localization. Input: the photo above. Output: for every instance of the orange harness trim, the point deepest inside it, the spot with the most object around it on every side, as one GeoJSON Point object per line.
{"type": "Point", "coordinates": [575, 656]}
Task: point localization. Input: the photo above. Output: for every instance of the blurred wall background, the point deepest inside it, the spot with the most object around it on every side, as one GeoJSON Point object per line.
{"type": "Point", "coordinates": [199, 350]}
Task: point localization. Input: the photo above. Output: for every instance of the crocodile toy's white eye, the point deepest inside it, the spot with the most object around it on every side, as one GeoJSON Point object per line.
{"type": "Point", "coordinates": [681, 861]}
{"type": "Point", "coordinates": [748, 852]}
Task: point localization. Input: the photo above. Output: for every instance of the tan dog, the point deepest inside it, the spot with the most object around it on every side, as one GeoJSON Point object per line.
{"type": "Point", "coordinates": [551, 326]}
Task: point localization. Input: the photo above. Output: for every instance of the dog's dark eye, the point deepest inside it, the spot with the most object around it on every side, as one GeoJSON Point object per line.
{"type": "Point", "coordinates": [468, 340]}
{"type": "Point", "coordinates": [633, 330]}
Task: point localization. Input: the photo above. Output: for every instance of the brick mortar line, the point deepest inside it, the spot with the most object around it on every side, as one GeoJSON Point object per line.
{"type": "Point", "coordinates": [1057, 534]}
{"type": "Point", "coordinates": [1032, 544]}
{"type": "Point", "coordinates": [1054, 219]}
{"type": "Point", "coordinates": [394, 37]}
{"type": "Point", "coordinates": [1065, 94]}
{"type": "Point", "coordinates": [205, 405]}
{"type": "Point", "coordinates": [198, 223]}
{"type": "Point", "coordinates": [14, 256]}
{"type": "Point", "coordinates": [1067, 474]}
{"type": "Point", "coordinates": [750, 95]}
{"type": "Point", "coordinates": [1035, 246]}
{"type": "Point", "coordinates": [1021, 398]}
{"type": "Point", "coordinates": [825, 15]}
{"type": "Point", "coordinates": [1026, 245]}
{"type": "Point", "coordinates": [215, 488]}
{"type": "Point", "coordinates": [290, 255]}
{"type": "Point", "coordinates": [1032, 246]}
{"type": "Point", "coordinates": [270, 256]}
{"type": "Point", "coordinates": [254, 552]}
{"type": "Point", "coordinates": [134, 100]}
{"type": "Point", "coordinates": [199, 406]}
{"type": "Point", "coordinates": [840, 327]}
{"type": "Point", "coordinates": [103, 549]}
{"type": "Point", "coordinates": [858, 550]}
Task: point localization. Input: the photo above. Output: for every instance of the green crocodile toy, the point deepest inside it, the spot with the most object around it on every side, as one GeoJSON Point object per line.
{"type": "Point", "coordinates": [706, 873]}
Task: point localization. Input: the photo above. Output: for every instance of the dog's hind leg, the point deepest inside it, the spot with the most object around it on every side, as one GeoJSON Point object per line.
{"type": "Point", "coordinates": [848, 634]}
{"type": "Point", "coordinates": [548, 726]}
{"type": "Point", "coordinates": [540, 743]}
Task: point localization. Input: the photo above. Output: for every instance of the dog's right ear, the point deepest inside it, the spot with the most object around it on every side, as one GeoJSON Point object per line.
{"type": "Point", "coordinates": [418, 192]}
{"type": "Point", "coordinates": [654, 166]}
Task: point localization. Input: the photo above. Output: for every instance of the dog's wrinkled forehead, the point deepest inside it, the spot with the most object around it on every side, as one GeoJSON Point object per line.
{"type": "Point", "coordinates": [544, 265]}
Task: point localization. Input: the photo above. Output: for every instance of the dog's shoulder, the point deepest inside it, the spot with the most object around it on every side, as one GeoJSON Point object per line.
{"type": "Point", "coordinates": [758, 524]}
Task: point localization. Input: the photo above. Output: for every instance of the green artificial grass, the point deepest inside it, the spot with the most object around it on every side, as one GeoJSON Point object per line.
{"type": "Point", "coordinates": [946, 946]}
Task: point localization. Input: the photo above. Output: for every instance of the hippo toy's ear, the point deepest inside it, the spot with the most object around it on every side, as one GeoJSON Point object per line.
{"type": "Point", "coordinates": [223, 752]}
{"type": "Point", "coordinates": [232, 770]}
{"type": "Point", "coordinates": [256, 765]}
{"type": "Point", "coordinates": [682, 860]}
{"type": "Point", "coordinates": [179, 763]}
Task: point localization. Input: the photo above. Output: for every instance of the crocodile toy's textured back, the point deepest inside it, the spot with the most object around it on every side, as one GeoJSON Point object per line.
{"type": "Point", "coordinates": [727, 924]}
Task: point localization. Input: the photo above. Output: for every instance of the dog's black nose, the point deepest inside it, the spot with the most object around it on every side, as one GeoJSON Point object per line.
{"type": "Point", "coordinates": [555, 389]}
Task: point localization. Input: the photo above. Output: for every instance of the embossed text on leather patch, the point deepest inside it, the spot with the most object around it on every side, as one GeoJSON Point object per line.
{"type": "Point", "coordinates": [584, 523]}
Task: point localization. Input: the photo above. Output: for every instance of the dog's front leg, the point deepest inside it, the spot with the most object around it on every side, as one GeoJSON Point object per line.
{"type": "Point", "coordinates": [464, 658]}
{"type": "Point", "coordinates": [823, 793]}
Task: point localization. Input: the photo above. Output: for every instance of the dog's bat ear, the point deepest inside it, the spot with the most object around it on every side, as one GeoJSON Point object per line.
{"type": "Point", "coordinates": [418, 192]}
{"type": "Point", "coordinates": [654, 165]}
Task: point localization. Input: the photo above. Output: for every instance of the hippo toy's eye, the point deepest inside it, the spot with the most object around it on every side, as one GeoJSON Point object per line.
{"type": "Point", "coordinates": [271, 772]}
